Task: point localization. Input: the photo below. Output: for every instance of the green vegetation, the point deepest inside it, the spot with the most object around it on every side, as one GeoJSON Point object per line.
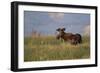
{"type": "Point", "coordinates": [45, 48]}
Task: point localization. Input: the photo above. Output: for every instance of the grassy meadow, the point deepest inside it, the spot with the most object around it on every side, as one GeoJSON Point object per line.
{"type": "Point", "coordinates": [44, 48]}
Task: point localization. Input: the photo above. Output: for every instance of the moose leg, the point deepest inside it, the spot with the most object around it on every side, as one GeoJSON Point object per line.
{"type": "Point", "coordinates": [74, 42]}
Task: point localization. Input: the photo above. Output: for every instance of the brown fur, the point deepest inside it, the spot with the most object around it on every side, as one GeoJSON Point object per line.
{"type": "Point", "coordinates": [72, 38]}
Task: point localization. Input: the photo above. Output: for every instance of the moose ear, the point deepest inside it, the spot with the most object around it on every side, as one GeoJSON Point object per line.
{"type": "Point", "coordinates": [58, 29]}
{"type": "Point", "coordinates": [63, 29]}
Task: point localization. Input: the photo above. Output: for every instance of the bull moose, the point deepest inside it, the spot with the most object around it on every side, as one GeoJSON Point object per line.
{"type": "Point", "coordinates": [71, 38]}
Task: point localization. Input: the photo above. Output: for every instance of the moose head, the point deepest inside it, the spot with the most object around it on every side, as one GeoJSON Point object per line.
{"type": "Point", "coordinates": [61, 32]}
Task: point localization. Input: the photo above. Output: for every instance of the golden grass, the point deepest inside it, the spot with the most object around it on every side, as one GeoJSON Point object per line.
{"type": "Point", "coordinates": [49, 48]}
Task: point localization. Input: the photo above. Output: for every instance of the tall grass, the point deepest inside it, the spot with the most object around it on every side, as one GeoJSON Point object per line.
{"type": "Point", "coordinates": [49, 48]}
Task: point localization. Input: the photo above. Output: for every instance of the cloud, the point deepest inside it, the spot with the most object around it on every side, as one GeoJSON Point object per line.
{"type": "Point", "coordinates": [86, 30]}
{"type": "Point", "coordinates": [56, 16]}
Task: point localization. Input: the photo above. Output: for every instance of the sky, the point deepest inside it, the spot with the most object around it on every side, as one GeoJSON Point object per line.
{"type": "Point", "coordinates": [46, 23]}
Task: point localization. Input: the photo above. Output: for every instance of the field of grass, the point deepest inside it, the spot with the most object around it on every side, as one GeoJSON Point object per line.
{"type": "Point", "coordinates": [46, 48]}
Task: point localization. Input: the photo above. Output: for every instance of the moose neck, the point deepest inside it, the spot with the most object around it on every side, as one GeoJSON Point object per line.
{"type": "Point", "coordinates": [62, 34]}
